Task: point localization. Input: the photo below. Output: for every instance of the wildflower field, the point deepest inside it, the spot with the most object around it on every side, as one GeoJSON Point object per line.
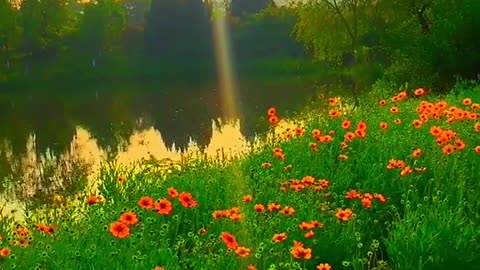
{"type": "Point", "coordinates": [393, 184]}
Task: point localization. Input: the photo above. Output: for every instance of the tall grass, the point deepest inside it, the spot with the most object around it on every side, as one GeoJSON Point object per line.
{"type": "Point", "coordinates": [390, 197]}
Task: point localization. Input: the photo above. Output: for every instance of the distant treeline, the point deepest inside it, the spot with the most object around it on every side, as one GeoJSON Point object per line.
{"type": "Point", "coordinates": [420, 42]}
{"type": "Point", "coordinates": [108, 39]}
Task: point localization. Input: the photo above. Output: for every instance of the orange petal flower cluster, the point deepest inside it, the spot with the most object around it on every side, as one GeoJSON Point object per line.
{"type": "Point", "coordinates": [231, 243]}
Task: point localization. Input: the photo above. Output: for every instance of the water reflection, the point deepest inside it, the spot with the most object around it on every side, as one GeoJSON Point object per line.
{"type": "Point", "coordinates": [46, 138]}
{"type": "Point", "coordinates": [34, 172]}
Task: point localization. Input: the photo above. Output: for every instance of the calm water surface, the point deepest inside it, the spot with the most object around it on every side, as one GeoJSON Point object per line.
{"type": "Point", "coordinates": [36, 125]}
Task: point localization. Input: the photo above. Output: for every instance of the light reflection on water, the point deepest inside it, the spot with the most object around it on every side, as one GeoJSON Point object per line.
{"type": "Point", "coordinates": [30, 170]}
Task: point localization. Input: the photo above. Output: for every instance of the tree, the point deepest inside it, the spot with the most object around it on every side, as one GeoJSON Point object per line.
{"type": "Point", "coordinates": [432, 41]}
{"type": "Point", "coordinates": [45, 24]}
{"type": "Point", "coordinates": [8, 30]}
{"type": "Point", "coordinates": [335, 30]}
{"type": "Point", "coordinates": [178, 29]}
{"type": "Point", "coordinates": [136, 11]}
{"type": "Point", "coordinates": [266, 34]}
{"type": "Point", "coordinates": [241, 8]}
{"type": "Point", "coordinates": [101, 26]}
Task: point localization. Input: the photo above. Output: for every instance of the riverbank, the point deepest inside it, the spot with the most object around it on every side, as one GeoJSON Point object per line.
{"type": "Point", "coordinates": [389, 186]}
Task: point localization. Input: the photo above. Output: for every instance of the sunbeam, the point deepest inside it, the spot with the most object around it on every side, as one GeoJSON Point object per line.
{"type": "Point", "coordinates": [224, 67]}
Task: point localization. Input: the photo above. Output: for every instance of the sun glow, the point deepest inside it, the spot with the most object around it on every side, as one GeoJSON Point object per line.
{"type": "Point", "coordinates": [224, 67]}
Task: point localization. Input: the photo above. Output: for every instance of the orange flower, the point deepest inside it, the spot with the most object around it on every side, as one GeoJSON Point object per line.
{"type": "Point", "coordinates": [324, 266]}
{"type": "Point", "coordinates": [279, 237]}
{"type": "Point", "coordinates": [406, 171]}
{"type": "Point", "coordinates": [146, 202]}
{"type": "Point", "coordinates": [346, 124]}
{"type": "Point", "coordinates": [50, 229]}
{"type": "Point", "coordinates": [324, 183]}
{"type": "Point", "coordinates": [467, 101]}
{"type": "Point", "coordinates": [383, 125]}
{"type": "Point", "coordinates": [299, 131]}
{"type": "Point", "coordinates": [233, 211]}
{"type": "Point", "coordinates": [435, 131]}
{"type": "Point", "coordinates": [368, 196]}
{"type": "Point", "coordinates": [477, 149]}
{"type": "Point", "coordinates": [129, 218]}
{"type": "Point", "coordinates": [316, 133]}
{"type": "Point", "coordinates": [419, 92]}
{"type": "Point", "coordinates": [23, 242]}
{"type": "Point", "coordinates": [219, 214]}
{"type": "Point", "coordinates": [360, 133]}
{"type": "Point", "coordinates": [259, 207]}
{"type": "Point", "coordinates": [272, 111]}
{"type": "Point", "coordinates": [367, 203]}
{"type": "Point", "coordinates": [236, 217]}
{"type": "Point", "coordinates": [299, 252]}
{"type": "Point", "coordinates": [164, 207]}
{"type": "Point", "coordinates": [267, 165]}
{"type": "Point", "coordinates": [394, 109]}
{"type": "Point", "coordinates": [382, 102]}
{"type": "Point", "coordinates": [310, 234]}
{"type": "Point", "coordinates": [122, 179]}
{"type": "Point", "coordinates": [23, 232]}
{"type": "Point", "coordinates": [362, 126]}
{"type": "Point", "coordinates": [448, 149]}
{"type": "Point", "coordinates": [4, 252]}
{"type": "Point", "coordinates": [251, 267]}
{"type": "Point", "coordinates": [41, 227]}
{"type": "Point", "coordinates": [397, 121]}
{"type": "Point", "coordinates": [273, 119]}
{"type": "Point", "coordinates": [349, 136]}
{"type": "Point", "coordinates": [247, 198]}
{"type": "Point", "coordinates": [342, 157]}
{"type": "Point", "coordinates": [353, 194]}
{"type": "Point", "coordinates": [158, 268]}
{"type": "Point", "coordinates": [332, 101]}
{"type": "Point", "coordinates": [308, 180]}
{"type": "Point", "coordinates": [335, 113]}
{"type": "Point", "coordinates": [280, 156]}
{"type": "Point", "coordinates": [400, 164]}
{"type": "Point", "coordinates": [417, 152]}
{"type": "Point", "coordinates": [93, 200]}
{"type": "Point", "coordinates": [229, 240]}
{"type": "Point", "coordinates": [287, 210]}
{"type": "Point", "coordinates": [242, 251]}
{"type": "Point", "coordinates": [119, 230]}
{"type": "Point", "coordinates": [459, 144]}
{"type": "Point", "coordinates": [379, 197]}
{"type": "Point", "coordinates": [172, 192]}
{"type": "Point", "coordinates": [274, 207]}
{"type": "Point", "coordinates": [417, 123]}
{"type": "Point", "coordinates": [187, 201]}
{"type": "Point", "coordinates": [344, 214]}
{"type": "Point", "coordinates": [316, 224]}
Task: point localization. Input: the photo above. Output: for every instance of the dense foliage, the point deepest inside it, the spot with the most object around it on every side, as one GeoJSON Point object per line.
{"type": "Point", "coordinates": [421, 42]}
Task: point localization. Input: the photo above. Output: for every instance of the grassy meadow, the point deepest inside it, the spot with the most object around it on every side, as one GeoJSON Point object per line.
{"type": "Point", "coordinates": [393, 184]}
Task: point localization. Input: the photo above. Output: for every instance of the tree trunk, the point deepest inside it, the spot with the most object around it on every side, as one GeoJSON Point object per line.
{"type": "Point", "coordinates": [7, 53]}
{"type": "Point", "coordinates": [422, 19]}
{"type": "Point", "coordinates": [355, 79]}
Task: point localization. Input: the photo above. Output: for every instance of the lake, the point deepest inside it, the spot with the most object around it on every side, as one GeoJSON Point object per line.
{"type": "Point", "coordinates": [126, 122]}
